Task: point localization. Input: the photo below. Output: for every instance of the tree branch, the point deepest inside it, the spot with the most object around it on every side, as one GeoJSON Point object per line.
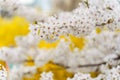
{"type": "Point", "coordinates": [88, 65]}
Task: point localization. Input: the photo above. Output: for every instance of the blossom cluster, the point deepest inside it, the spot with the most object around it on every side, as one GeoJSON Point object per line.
{"type": "Point", "coordinates": [81, 21]}
{"type": "Point", "coordinates": [112, 74]}
{"type": "Point", "coordinates": [82, 41]}
{"type": "Point", "coordinates": [67, 51]}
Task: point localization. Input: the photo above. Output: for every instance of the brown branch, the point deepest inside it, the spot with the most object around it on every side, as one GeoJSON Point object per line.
{"type": "Point", "coordinates": [81, 66]}
{"type": "Point", "coordinates": [89, 65]}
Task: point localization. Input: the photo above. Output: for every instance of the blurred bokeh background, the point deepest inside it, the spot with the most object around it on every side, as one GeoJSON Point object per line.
{"type": "Point", "coordinates": [52, 5]}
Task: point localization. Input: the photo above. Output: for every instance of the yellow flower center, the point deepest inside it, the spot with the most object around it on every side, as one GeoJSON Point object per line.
{"type": "Point", "coordinates": [98, 30]}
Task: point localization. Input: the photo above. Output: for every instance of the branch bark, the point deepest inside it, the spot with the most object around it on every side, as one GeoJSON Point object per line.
{"type": "Point", "coordinates": [89, 65]}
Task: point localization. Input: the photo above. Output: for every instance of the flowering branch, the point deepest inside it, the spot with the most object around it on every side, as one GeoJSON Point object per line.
{"type": "Point", "coordinates": [90, 65]}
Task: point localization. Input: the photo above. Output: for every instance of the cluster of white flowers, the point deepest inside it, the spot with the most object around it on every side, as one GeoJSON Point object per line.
{"type": "Point", "coordinates": [19, 71]}
{"type": "Point", "coordinates": [113, 74]}
{"type": "Point", "coordinates": [20, 53]}
{"type": "Point", "coordinates": [109, 74]}
{"type": "Point", "coordinates": [96, 21]}
{"type": "Point", "coordinates": [9, 8]}
{"type": "Point", "coordinates": [46, 76]}
{"type": "Point", "coordinates": [105, 44]}
{"type": "Point", "coordinates": [81, 21]}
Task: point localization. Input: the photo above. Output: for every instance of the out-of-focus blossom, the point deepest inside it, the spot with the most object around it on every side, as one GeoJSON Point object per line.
{"type": "Point", "coordinates": [112, 74]}
{"type": "Point", "coordinates": [46, 76]}
{"type": "Point", "coordinates": [33, 72]}
{"type": "Point", "coordinates": [10, 8]}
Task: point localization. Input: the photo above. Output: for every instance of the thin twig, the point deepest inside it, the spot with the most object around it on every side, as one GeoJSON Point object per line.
{"type": "Point", "coordinates": [88, 65]}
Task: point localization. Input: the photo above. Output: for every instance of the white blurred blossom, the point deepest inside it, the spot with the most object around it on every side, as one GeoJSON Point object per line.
{"type": "Point", "coordinates": [9, 8]}
{"type": "Point", "coordinates": [112, 74]}
{"type": "Point", "coordinates": [46, 76]}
